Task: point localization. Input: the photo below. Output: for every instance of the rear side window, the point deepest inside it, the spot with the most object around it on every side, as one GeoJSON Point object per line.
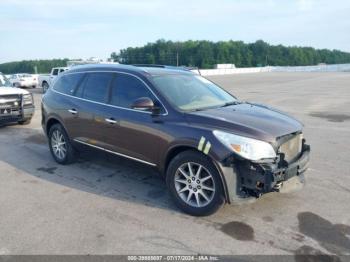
{"type": "Point", "coordinates": [67, 83]}
{"type": "Point", "coordinates": [95, 87]}
{"type": "Point", "coordinates": [55, 72]}
{"type": "Point", "coordinates": [126, 89]}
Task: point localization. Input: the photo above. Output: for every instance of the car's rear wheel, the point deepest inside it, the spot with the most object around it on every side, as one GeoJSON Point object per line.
{"type": "Point", "coordinates": [45, 87]}
{"type": "Point", "coordinates": [195, 184]}
{"type": "Point", "coordinates": [60, 145]}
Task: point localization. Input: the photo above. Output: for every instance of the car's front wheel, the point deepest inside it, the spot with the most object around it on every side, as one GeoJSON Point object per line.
{"type": "Point", "coordinates": [195, 184]}
{"type": "Point", "coordinates": [60, 145]}
{"type": "Point", "coordinates": [24, 122]}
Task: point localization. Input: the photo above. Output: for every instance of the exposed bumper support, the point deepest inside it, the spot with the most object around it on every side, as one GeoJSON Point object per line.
{"type": "Point", "coordinates": [245, 179]}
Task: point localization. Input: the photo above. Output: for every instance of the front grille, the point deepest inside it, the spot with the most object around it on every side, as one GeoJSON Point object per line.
{"type": "Point", "coordinates": [10, 106]}
{"type": "Point", "coordinates": [9, 97]}
{"type": "Point", "coordinates": [10, 103]}
{"type": "Point", "coordinates": [292, 148]}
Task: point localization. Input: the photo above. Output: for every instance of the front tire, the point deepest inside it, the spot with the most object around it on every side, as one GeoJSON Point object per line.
{"type": "Point", "coordinates": [60, 145]}
{"type": "Point", "coordinates": [24, 122]}
{"type": "Point", "coordinates": [195, 184]}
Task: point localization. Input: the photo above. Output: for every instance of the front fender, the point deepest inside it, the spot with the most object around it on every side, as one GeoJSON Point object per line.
{"type": "Point", "coordinates": [208, 145]}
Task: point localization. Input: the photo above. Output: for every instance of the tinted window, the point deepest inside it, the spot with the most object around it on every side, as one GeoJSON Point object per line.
{"type": "Point", "coordinates": [126, 89]}
{"type": "Point", "coordinates": [55, 72]}
{"type": "Point", "coordinates": [67, 83]}
{"type": "Point", "coordinates": [95, 87]}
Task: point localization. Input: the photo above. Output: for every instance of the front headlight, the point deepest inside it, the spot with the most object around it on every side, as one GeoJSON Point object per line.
{"type": "Point", "coordinates": [28, 99]}
{"type": "Point", "coordinates": [248, 148]}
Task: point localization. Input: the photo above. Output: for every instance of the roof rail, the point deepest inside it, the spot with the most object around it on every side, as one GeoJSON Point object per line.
{"type": "Point", "coordinates": [149, 65]}
{"type": "Point", "coordinates": [184, 68]}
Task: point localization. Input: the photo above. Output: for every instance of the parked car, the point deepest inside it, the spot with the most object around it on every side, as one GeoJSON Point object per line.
{"type": "Point", "coordinates": [16, 105]}
{"type": "Point", "coordinates": [210, 147]}
{"type": "Point", "coordinates": [45, 81]}
{"type": "Point", "coordinates": [23, 80]}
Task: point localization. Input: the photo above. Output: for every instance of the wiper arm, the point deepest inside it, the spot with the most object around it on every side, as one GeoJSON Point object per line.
{"type": "Point", "coordinates": [211, 107]}
{"type": "Point", "coordinates": [232, 103]}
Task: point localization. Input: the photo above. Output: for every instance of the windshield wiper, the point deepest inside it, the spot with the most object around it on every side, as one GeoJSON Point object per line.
{"type": "Point", "coordinates": [212, 107]}
{"type": "Point", "coordinates": [232, 103]}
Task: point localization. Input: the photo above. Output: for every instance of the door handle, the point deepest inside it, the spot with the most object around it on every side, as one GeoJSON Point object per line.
{"type": "Point", "coordinates": [111, 120]}
{"type": "Point", "coordinates": [73, 111]}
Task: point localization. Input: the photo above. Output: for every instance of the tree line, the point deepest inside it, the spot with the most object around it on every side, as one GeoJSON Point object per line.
{"type": "Point", "coordinates": [32, 66]}
{"type": "Point", "coordinates": [205, 54]}
{"type": "Point", "coordinates": [201, 54]}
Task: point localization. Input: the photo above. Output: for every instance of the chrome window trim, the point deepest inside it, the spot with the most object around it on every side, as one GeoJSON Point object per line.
{"type": "Point", "coordinates": [116, 153]}
{"type": "Point", "coordinates": [125, 108]}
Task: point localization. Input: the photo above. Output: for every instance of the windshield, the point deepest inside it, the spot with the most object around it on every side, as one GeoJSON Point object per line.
{"type": "Point", "coordinates": [4, 81]}
{"type": "Point", "coordinates": [191, 92]}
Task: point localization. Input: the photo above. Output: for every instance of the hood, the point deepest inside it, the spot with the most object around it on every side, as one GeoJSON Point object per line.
{"type": "Point", "coordinates": [12, 91]}
{"type": "Point", "coordinates": [247, 119]}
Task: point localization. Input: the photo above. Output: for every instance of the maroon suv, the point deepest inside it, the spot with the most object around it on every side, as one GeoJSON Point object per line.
{"type": "Point", "coordinates": [210, 147]}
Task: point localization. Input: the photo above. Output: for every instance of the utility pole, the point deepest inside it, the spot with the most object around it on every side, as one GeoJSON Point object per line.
{"type": "Point", "coordinates": [177, 54]}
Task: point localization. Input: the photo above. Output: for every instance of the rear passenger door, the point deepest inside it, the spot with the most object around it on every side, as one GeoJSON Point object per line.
{"type": "Point", "coordinates": [65, 105]}
{"type": "Point", "coordinates": [93, 95]}
{"type": "Point", "coordinates": [135, 134]}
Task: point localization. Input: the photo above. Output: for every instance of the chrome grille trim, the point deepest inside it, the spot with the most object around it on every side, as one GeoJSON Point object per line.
{"type": "Point", "coordinates": [12, 103]}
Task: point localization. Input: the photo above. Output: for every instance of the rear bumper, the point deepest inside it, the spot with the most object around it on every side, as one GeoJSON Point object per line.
{"type": "Point", "coordinates": [246, 179]}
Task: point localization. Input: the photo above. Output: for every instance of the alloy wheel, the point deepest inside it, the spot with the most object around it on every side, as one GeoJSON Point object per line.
{"type": "Point", "coordinates": [59, 145]}
{"type": "Point", "coordinates": [194, 184]}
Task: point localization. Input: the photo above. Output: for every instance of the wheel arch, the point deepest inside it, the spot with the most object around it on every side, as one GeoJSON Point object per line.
{"type": "Point", "coordinates": [52, 121]}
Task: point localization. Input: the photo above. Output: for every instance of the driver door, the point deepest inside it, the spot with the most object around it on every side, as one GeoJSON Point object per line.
{"type": "Point", "coordinates": [135, 133]}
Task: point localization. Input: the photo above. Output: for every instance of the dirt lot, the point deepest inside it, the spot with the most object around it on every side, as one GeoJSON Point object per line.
{"type": "Point", "coordinates": [109, 205]}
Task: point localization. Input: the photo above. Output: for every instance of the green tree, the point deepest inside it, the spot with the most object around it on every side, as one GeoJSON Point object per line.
{"type": "Point", "coordinates": [205, 54]}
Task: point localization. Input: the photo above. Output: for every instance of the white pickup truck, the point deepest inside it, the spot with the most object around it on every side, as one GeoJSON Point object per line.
{"type": "Point", "coordinates": [16, 105]}
{"type": "Point", "coordinates": [45, 81]}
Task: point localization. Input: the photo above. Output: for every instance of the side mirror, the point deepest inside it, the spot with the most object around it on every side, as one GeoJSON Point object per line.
{"type": "Point", "coordinates": [145, 104]}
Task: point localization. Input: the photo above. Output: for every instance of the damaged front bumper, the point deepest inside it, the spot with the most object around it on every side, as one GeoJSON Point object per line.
{"type": "Point", "coordinates": [246, 179]}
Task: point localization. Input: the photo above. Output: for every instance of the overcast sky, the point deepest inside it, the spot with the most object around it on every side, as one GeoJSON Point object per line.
{"type": "Point", "coordinates": [36, 29]}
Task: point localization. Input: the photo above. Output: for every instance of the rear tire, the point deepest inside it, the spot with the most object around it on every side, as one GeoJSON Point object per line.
{"type": "Point", "coordinates": [195, 184]}
{"type": "Point", "coordinates": [60, 145]}
{"type": "Point", "coordinates": [45, 86]}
